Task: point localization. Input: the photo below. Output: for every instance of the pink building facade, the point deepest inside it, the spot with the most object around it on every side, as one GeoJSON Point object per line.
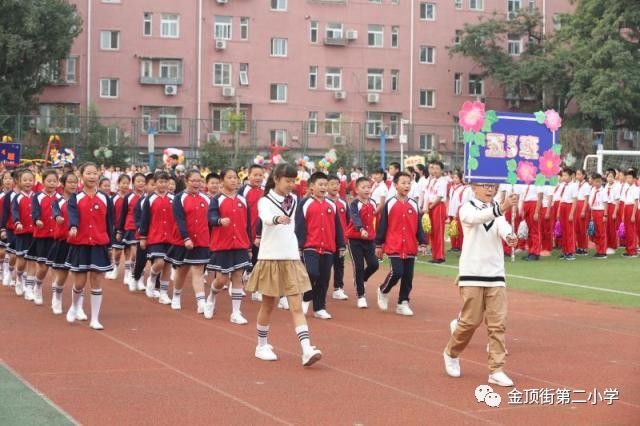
{"type": "Point", "coordinates": [316, 73]}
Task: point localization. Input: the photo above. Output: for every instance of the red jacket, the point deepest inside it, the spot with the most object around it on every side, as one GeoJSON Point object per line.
{"type": "Point", "coordinates": [400, 229]}
{"type": "Point", "coordinates": [190, 213]}
{"type": "Point", "coordinates": [92, 216]}
{"type": "Point", "coordinates": [21, 212]}
{"type": "Point", "coordinates": [236, 235]}
{"type": "Point", "coordinates": [361, 216]}
{"type": "Point", "coordinates": [156, 221]}
{"type": "Point", "coordinates": [343, 213]}
{"type": "Point", "coordinates": [127, 220]}
{"type": "Point", "coordinates": [61, 231]}
{"type": "Point", "coordinates": [118, 204]}
{"type": "Point", "coordinates": [42, 209]}
{"type": "Point", "coordinates": [252, 195]}
{"type": "Point", "coordinates": [318, 226]}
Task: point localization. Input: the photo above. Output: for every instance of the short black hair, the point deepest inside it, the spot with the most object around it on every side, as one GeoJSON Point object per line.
{"type": "Point", "coordinates": [631, 172]}
{"type": "Point", "coordinates": [569, 171]}
{"type": "Point", "coordinates": [150, 177]}
{"type": "Point", "coordinates": [596, 176]}
{"type": "Point", "coordinates": [395, 164]}
{"type": "Point", "coordinates": [437, 163]}
{"type": "Point", "coordinates": [174, 156]}
{"type": "Point", "coordinates": [333, 177]}
{"type": "Point", "coordinates": [380, 172]}
{"type": "Point", "coordinates": [398, 175]}
{"type": "Point", "coordinates": [212, 175]}
{"type": "Point", "coordinates": [160, 175]}
{"type": "Point", "coordinates": [254, 166]}
{"type": "Point", "coordinates": [362, 179]}
{"type": "Point", "coordinates": [317, 176]}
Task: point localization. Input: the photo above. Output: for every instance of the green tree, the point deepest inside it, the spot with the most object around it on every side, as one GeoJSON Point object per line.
{"type": "Point", "coordinates": [34, 34]}
{"type": "Point", "coordinates": [101, 146]}
{"type": "Point", "coordinates": [215, 155]}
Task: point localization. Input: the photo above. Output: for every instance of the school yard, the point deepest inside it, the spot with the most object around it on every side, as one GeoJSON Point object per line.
{"type": "Point", "coordinates": [573, 338]}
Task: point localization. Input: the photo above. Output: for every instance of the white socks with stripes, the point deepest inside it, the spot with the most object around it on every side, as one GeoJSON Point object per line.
{"type": "Point", "coordinates": [263, 334]}
{"type": "Point", "coordinates": [303, 336]}
{"type": "Point", "coordinates": [236, 299]}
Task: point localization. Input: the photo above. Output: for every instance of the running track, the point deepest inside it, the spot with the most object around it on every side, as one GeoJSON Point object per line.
{"type": "Point", "coordinates": [155, 366]}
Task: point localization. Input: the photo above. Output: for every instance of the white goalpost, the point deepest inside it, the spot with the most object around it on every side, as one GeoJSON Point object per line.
{"type": "Point", "coordinates": [606, 158]}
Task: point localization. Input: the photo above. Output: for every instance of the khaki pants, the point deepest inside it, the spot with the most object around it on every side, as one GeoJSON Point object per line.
{"type": "Point", "coordinates": [478, 303]}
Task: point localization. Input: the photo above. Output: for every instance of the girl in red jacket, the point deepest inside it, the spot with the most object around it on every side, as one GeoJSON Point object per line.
{"type": "Point", "coordinates": [42, 215]}
{"type": "Point", "coordinates": [230, 243]}
{"type": "Point", "coordinates": [7, 188]}
{"type": "Point", "coordinates": [90, 238]}
{"type": "Point", "coordinates": [124, 184]}
{"type": "Point", "coordinates": [8, 234]}
{"type": "Point", "coordinates": [23, 222]}
{"type": "Point", "coordinates": [126, 230]}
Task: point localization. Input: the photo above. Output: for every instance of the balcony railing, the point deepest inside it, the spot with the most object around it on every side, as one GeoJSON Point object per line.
{"type": "Point", "coordinates": [160, 80]}
{"type": "Point", "coordinates": [335, 41]}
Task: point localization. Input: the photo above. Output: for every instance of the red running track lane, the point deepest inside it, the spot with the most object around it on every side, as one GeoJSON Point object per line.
{"type": "Point", "coordinates": [155, 366]}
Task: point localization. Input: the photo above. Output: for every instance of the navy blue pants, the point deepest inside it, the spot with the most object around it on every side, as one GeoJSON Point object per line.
{"type": "Point", "coordinates": [319, 270]}
{"type": "Point", "coordinates": [338, 271]}
{"type": "Point", "coordinates": [401, 270]}
{"type": "Point", "coordinates": [141, 262]}
{"type": "Point", "coordinates": [363, 251]}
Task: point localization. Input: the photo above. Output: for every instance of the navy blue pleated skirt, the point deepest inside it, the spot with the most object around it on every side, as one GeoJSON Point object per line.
{"type": "Point", "coordinates": [83, 258]}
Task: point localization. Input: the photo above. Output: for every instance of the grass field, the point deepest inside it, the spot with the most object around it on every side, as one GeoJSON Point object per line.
{"type": "Point", "coordinates": [615, 281]}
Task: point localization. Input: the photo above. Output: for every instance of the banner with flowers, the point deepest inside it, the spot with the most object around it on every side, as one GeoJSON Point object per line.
{"type": "Point", "coordinates": [506, 147]}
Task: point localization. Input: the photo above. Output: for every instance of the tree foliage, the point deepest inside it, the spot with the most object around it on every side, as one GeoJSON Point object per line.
{"type": "Point", "coordinates": [33, 34]}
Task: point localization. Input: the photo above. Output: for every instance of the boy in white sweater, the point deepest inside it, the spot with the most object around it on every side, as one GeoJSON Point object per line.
{"type": "Point", "coordinates": [482, 279]}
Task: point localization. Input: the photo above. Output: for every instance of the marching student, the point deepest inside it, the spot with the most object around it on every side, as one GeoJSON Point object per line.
{"type": "Point", "coordinates": [252, 192]}
{"type": "Point", "coordinates": [57, 257]}
{"type": "Point", "coordinates": [630, 196]}
{"type": "Point", "coordinates": [213, 184]}
{"type": "Point", "coordinates": [558, 192]}
{"type": "Point", "coordinates": [361, 234]}
{"type": "Point", "coordinates": [156, 227]}
{"type": "Point", "coordinates": [435, 207]}
{"type": "Point", "coordinates": [23, 223]}
{"type": "Point", "coordinates": [581, 221]}
{"type": "Point", "coordinates": [599, 211]}
{"type": "Point", "coordinates": [230, 244]}
{"type": "Point", "coordinates": [532, 200]}
{"type": "Point", "coordinates": [379, 190]}
{"type": "Point", "coordinates": [547, 222]}
{"type": "Point", "coordinates": [393, 168]}
{"type": "Point", "coordinates": [141, 254]}
{"type": "Point", "coordinates": [105, 185]}
{"type": "Point", "coordinates": [320, 237]}
{"type": "Point", "coordinates": [8, 235]}
{"type": "Point", "coordinates": [567, 213]}
{"type": "Point", "coordinates": [43, 216]}
{"type": "Point", "coordinates": [333, 194]}
{"type": "Point", "coordinates": [124, 184]}
{"type": "Point", "coordinates": [458, 195]}
{"type": "Point", "coordinates": [126, 229]}
{"type": "Point", "coordinates": [614, 193]}
{"type": "Point", "coordinates": [90, 236]}
{"type": "Point", "coordinates": [401, 234]}
{"type": "Point", "coordinates": [481, 280]}
{"type": "Point", "coordinates": [7, 188]}
{"type": "Point", "coordinates": [189, 250]}
{"type": "Point", "coordinates": [279, 271]}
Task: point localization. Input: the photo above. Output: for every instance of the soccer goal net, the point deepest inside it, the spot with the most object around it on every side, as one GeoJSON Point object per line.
{"type": "Point", "coordinates": [606, 159]}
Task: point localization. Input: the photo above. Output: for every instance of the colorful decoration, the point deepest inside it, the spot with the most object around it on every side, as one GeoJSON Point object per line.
{"type": "Point", "coordinates": [552, 120]}
{"type": "Point", "coordinates": [276, 157]}
{"type": "Point", "coordinates": [471, 116]}
{"type": "Point", "coordinates": [7, 139]}
{"type": "Point", "coordinates": [453, 228]}
{"type": "Point", "coordinates": [550, 164]}
{"type": "Point", "coordinates": [526, 171]}
{"type": "Point", "coordinates": [170, 151]}
{"type": "Point", "coordinates": [426, 223]}
{"type": "Point", "coordinates": [102, 153]}
{"type": "Point", "coordinates": [259, 160]}
{"type": "Point", "coordinates": [61, 157]}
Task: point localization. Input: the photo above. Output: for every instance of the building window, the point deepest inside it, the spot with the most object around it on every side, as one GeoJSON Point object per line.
{"type": "Point", "coordinates": [458, 4]}
{"type": "Point", "coordinates": [278, 136]}
{"type": "Point", "coordinates": [427, 55]}
{"type": "Point", "coordinates": [244, 28]}
{"type": "Point", "coordinates": [50, 72]}
{"type": "Point", "coordinates": [109, 87]}
{"type": "Point", "coordinates": [61, 117]}
{"type": "Point", "coordinates": [109, 40]}
{"type": "Point", "coordinates": [146, 68]}
{"type": "Point", "coordinates": [333, 79]}
{"type": "Point", "coordinates": [426, 142]}
{"type": "Point", "coordinates": [532, 5]}
{"type": "Point", "coordinates": [170, 25]}
{"type": "Point", "coordinates": [457, 84]}
{"type": "Point", "coordinates": [374, 80]}
{"type": "Point", "coordinates": [313, 77]}
{"type": "Point", "coordinates": [222, 74]}
{"type": "Point", "coordinates": [279, 47]}
{"type": "Point", "coordinates": [222, 27]}
{"type": "Point", "coordinates": [375, 36]}
{"type": "Point", "coordinates": [515, 45]}
{"type": "Point", "coordinates": [427, 98]}
{"type": "Point", "coordinates": [476, 85]}
{"type": "Point", "coordinates": [332, 124]}
{"type": "Point", "coordinates": [147, 24]}
{"type": "Point", "coordinates": [393, 125]}
{"type": "Point", "coordinates": [169, 120]}
{"type": "Point", "coordinates": [557, 22]}
{"type": "Point", "coordinates": [244, 74]}
{"type": "Point", "coordinates": [313, 31]}
{"type": "Point", "coordinates": [374, 124]}
{"type": "Point", "coordinates": [221, 119]}
{"type": "Point", "coordinates": [476, 4]}
{"type": "Point", "coordinates": [395, 80]}
{"type": "Point", "coordinates": [427, 11]}
{"type": "Point", "coordinates": [280, 5]}
{"type": "Point", "coordinates": [513, 8]}
{"type": "Point", "coordinates": [375, 1]}
{"type": "Point", "coordinates": [394, 35]}
{"type": "Point", "coordinates": [71, 70]}
{"type": "Point", "coordinates": [312, 125]}
{"type": "Point", "coordinates": [458, 38]}
{"type": "Point", "coordinates": [170, 70]}
{"type": "Point", "coordinates": [278, 92]}
{"type": "Point", "coordinates": [333, 31]}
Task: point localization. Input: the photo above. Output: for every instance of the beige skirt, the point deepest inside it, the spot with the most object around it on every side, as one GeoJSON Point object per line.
{"type": "Point", "coordinates": [278, 278]}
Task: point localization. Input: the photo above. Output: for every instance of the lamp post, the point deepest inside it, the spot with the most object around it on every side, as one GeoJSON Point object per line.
{"type": "Point", "coordinates": [383, 147]}
{"type": "Point", "coordinates": [151, 147]}
{"type": "Point", "coordinates": [403, 141]}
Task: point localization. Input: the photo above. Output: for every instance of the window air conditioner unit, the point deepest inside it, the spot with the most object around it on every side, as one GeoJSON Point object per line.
{"type": "Point", "coordinates": [221, 44]}
{"type": "Point", "coordinates": [170, 90]}
{"type": "Point", "coordinates": [373, 98]}
{"type": "Point", "coordinates": [339, 140]}
{"type": "Point", "coordinates": [213, 136]}
{"type": "Point", "coordinates": [228, 91]}
{"type": "Point", "coordinates": [352, 35]}
{"type": "Point", "coordinates": [222, 1]}
{"type": "Point", "coordinates": [340, 94]}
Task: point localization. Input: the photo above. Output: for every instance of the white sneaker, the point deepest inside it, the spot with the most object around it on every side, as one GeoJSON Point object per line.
{"type": "Point", "coordinates": [209, 310]}
{"type": "Point", "coordinates": [501, 379]}
{"type": "Point", "coordinates": [56, 306]}
{"type": "Point", "coordinates": [305, 307]}
{"type": "Point", "coordinates": [37, 295]}
{"type": "Point", "coordinates": [111, 275]}
{"type": "Point", "coordinates": [6, 280]}
{"type": "Point", "coordinates": [266, 353]}
{"type": "Point", "coordinates": [126, 279]}
{"type": "Point", "coordinates": [237, 318]}
{"type": "Point", "coordinates": [96, 325]}
{"type": "Point", "coordinates": [256, 296]}
{"type": "Point", "coordinates": [140, 285]}
{"type": "Point", "coordinates": [156, 293]}
{"type": "Point", "coordinates": [311, 356]}
{"type": "Point", "coordinates": [19, 287]}
{"type": "Point", "coordinates": [283, 303]}
{"type": "Point", "coordinates": [453, 325]}
{"type": "Point", "coordinates": [339, 294]}
{"type": "Point", "coordinates": [404, 309]}
{"type": "Point", "coordinates": [81, 315]}
{"type": "Point", "coordinates": [71, 315]}
{"type": "Point", "coordinates": [362, 302]}
{"type": "Point", "coordinates": [322, 314]}
{"type": "Point", "coordinates": [28, 293]}
{"type": "Point", "coordinates": [164, 299]}
{"type": "Point", "coordinates": [132, 284]}
{"type": "Point", "coordinates": [148, 290]}
{"type": "Point", "coordinates": [201, 305]}
{"type": "Point", "coordinates": [451, 365]}
{"type": "Point", "coordinates": [12, 283]}
{"type": "Point", "coordinates": [175, 304]}
{"type": "Point", "coordinates": [383, 300]}
{"type": "Point", "coordinates": [611, 251]}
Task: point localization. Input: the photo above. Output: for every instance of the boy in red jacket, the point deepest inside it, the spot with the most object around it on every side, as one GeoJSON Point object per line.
{"type": "Point", "coordinates": [333, 191]}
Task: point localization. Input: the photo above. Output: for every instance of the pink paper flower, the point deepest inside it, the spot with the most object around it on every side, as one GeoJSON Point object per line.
{"type": "Point", "coordinates": [552, 120]}
{"type": "Point", "coordinates": [549, 164]}
{"type": "Point", "coordinates": [526, 171]}
{"type": "Point", "coordinates": [472, 116]}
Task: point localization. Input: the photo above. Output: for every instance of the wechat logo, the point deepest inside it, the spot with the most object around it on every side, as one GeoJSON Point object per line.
{"type": "Point", "coordinates": [485, 393]}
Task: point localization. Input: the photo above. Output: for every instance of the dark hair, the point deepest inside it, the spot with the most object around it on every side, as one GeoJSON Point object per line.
{"type": "Point", "coordinates": [84, 166]}
{"type": "Point", "coordinates": [47, 172]}
{"type": "Point", "coordinates": [213, 175]}
{"type": "Point", "coordinates": [174, 156]}
{"type": "Point", "coordinates": [584, 173]}
{"type": "Point", "coordinates": [226, 171]}
{"type": "Point", "coordinates": [150, 177]}
{"type": "Point", "coordinates": [569, 171]}
{"type": "Point", "coordinates": [333, 177]}
{"type": "Point", "coordinates": [596, 176]}
{"type": "Point", "coordinates": [65, 177]}
{"type": "Point", "coordinates": [22, 172]}
{"type": "Point", "coordinates": [190, 172]}
{"type": "Point", "coordinates": [457, 172]}
{"type": "Point", "coordinates": [380, 172]}
{"type": "Point", "coordinates": [282, 170]}
{"type": "Point", "coordinates": [102, 179]}
{"type": "Point", "coordinates": [317, 176]}
{"type": "Point", "coordinates": [395, 164]}
{"type": "Point", "coordinates": [631, 172]}
{"type": "Point", "coordinates": [160, 175]}
{"type": "Point", "coordinates": [362, 179]}
{"type": "Point", "coordinates": [610, 170]}
{"type": "Point", "coordinates": [123, 177]}
{"type": "Point", "coordinates": [398, 175]}
{"type": "Point", "coordinates": [137, 175]}
{"type": "Point", "coordinates": [437, 163]}
{"type": "Point", "coordinates": [254, 166]}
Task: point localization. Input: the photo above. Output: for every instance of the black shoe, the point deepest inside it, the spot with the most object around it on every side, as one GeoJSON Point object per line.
{"type": "Point", "coordinates": [562, 256]}
{"type": "Point", "coordinates": [532, 258]}
{"type": "Point", "coordinates": [569, 256]}
{"type": "Point", "coordinates": [456, 250]}
{"type": "Point", "coordinates": [629, 255]}
{"type": "Point", "coordinates": [437, 261]}
{"type": "Point", "coordinates": [600, 256]}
